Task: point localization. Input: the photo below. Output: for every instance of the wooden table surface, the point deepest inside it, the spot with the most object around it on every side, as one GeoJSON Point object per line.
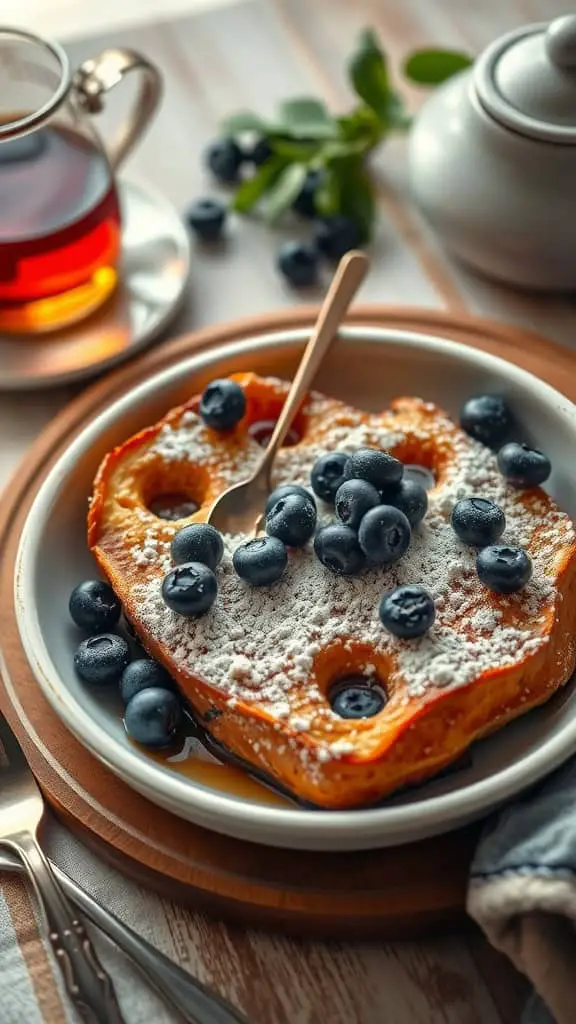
{"type": "Point", "coordinates": [251, 55]}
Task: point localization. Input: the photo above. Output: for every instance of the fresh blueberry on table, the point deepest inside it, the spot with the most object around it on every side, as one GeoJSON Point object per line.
{"type": "Point", "coordinates": [338, 549]}
{"type": "Point", "coordinates": [260, 561]}
{"type": "Point", "coordinates": [190, 589]}
{"type": "Point", "coordinates": [487, 418]}
{"type": "Point", "coordinates": [283, 491]}
{"type": "Point", "coordinates": [143, 674]}
{"type": "Point", "coordinates": [355, 697]}
{"type": "Point", "coordinates": [298, 263]}
{"type": "Point", "coordinates": [305, 202]}
{"type": "Point", "coordinates": [375, 466]}
{"type": "Point", "coordinates": [522, 466]}
{"type": "Point", "coordinates": [410, 497]}
{"type": "Point", "coordinates": [384, 535]}
{"type": "Point", "coordinates": [223, 404]}
{"type": "Point", "coordinates": [198, 542]}
{"type": "Point", "coordinates": [153, 717]}
{"type": "Point", "coordinates": [224, 158]}
{"type": "Point", "coordinates": [327, 475]}
{"type": "Point", "coordinates": [260, 152]}
{"type": "Point", "coordinates": [207, 217]}
{"type": "Point", "coordinates": [336, 235]}
{"type": "Point", "coordinates": [102, 659]}
{"type": "Point", "coordinates": [354, 498]}
{"type": "Point", "coordinates": [503, 569]}
{"type": "Point", "coordinates": [94, 606]}
{"type": "Point", "coordinates": [292, 520]}
{"type": "Point", "coordinates": [478, 521]}
{"type": "Point", "coordinates": [407, 612]}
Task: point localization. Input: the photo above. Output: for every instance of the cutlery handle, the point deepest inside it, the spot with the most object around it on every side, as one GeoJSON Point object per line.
{"type": "Point", "coordinates": [345, 283]}
{"type": "Point", "coordinates": [87, 983]}
{"type": "Point", "coordinates": [180, 990]}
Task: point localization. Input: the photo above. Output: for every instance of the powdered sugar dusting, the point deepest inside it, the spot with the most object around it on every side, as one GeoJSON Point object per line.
{"type": "Point", "coordinates": [261, 646]}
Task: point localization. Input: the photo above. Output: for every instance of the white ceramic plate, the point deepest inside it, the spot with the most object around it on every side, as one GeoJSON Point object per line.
{"type": "Point", "coordinates": [367, 366]}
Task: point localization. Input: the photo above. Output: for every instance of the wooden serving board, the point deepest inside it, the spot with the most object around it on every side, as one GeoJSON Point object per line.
{"type": "Point", "coordinates": [391, 893]}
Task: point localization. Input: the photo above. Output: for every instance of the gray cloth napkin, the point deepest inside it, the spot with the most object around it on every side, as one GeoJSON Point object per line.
{"type": "Point", "coordinates": [522, 892]}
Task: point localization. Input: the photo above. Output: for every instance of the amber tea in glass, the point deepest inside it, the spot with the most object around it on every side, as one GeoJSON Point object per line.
{"type": "Point", "coordinates": [60, 221]}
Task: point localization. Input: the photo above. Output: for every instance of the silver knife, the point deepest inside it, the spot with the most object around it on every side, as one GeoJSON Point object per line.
{"type": "Point", "coordinates": [21, 804]}
{"type": "Point", "coordinates": [194, 1003]}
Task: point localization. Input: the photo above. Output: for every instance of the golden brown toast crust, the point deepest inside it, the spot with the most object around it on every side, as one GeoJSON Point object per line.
{"type": "Point", "coordinates": [256, 668]}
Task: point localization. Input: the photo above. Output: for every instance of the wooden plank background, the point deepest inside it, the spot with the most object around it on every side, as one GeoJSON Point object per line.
{"type": "Point", "coordinates": [251, 55]}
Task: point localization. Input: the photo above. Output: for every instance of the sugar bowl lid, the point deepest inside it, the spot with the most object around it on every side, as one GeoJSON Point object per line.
{"type": "Point", "coordinates": [527, 80]}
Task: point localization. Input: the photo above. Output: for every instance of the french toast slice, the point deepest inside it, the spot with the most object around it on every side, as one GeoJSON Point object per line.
{"type": "Point", "coordinates": [258, 666]}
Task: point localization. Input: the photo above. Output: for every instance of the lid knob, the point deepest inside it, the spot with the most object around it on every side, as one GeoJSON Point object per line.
{"type": "Point", "coordinates": [527, 80]}
{"type": "Point", "coordinates": [560, 41]}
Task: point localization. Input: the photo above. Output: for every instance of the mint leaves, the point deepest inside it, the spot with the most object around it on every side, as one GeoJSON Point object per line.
{"type": "Point", "coordinates": [305, 136]}
{"type": "Point", "coordinates": [431, 67]}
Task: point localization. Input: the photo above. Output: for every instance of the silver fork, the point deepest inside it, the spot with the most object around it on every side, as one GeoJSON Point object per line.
{"type": "Point", "coordinates": [191, 1000]}
{"type": "Point", "coordinates": [21, 810]}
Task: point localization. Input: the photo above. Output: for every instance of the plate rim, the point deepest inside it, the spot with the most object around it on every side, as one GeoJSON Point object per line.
{"type": "Point", "coordinates": [306, 828]}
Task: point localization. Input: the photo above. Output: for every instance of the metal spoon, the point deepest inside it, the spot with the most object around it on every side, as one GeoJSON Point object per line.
{"type": "Point", "coordinates": [238, 508]}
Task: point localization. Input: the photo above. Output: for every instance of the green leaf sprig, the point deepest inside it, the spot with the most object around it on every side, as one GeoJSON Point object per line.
{"type": "Point", "coordinates": [305, 136]}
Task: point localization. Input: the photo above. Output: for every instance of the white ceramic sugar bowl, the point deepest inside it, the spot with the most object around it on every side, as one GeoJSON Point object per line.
{"type": "Point", "coordinates": [492, 159]}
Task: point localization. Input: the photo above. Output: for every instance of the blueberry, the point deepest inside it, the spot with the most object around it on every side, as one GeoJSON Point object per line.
{"type": "Point", "coordinates": [353, 499]}
{"type": "Point", "coordinates": [190, 589]}
{"type": "Point", "coordinates": [223, 404]}
{"type": "Point", "coordinates": [285, 489]}
{"type": "Point", "coordinates": [377, 467]}
{"type": "Point", "coordinates": [410, 497]}
{"type": "Point", "coordinates": [298, 262]}
{"type": "Point", "coordinates": [224, 158]}
{"type": "Point", "coordinates": [94, 606]}
{"type": "Point", "coordinates": [523, 466]}
{"type": "Point", "coordinates": [486, 418]}
{"type": "Point", "coordinates": [207, 217]}
{"type": "Point", "coordinates": [143, 674]}
{"type": "Point", "coordinates": [261, 151]}
{"type": "Point", "coordinates": [420, 475]}
{"type": "Point", "coordinates": [407, 611]}
{"type": "Point", "coordinates": [292, 520]}
{"type": "Point", "coordinates": [478, 522]}
{"type": "Point", "coordinates": [198, 542]}
{"type": "Point", "coordinates": [305, 203]}
{"type": "Point", "coordinates": [327, 475]}
{"type": "Point", "coordinates": [338, 549]}
{"type": "Point", "coordinates": [153, 717]}
{"type": "Point", "coordinates": [336, 235]}
{"type": "Point", "coordinates": [102, 659]}
{"type": "Point", "coordinates": [384, 535]}
{"type": "Point", "coordinates": [503, 569]}
{"type": "Point", "coordinates": [261, 561]}
{"type": "Point", "coordinates": [356, 697]}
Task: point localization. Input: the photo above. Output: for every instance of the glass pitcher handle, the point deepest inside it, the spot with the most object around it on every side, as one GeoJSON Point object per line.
{"type": "Point", "coordinates": [99, 74]}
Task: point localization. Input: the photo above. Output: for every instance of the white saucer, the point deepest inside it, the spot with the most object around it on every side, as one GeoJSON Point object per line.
{"type": "Point", "coordinates": [366, 367]}
{"type": "Point", "coordinates": [155, 268]}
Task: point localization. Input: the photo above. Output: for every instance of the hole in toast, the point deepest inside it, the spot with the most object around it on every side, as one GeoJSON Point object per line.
{"type": "Point", "coordinates": [357, 696]}
{"type": "Point", "coordinates": [263, 408]}
{"type": "Point", "coordinates": [172, 506]}
{"type": "Point", "coordinates": [174, 491]}
{"type": "Point", "coordinates": [262, 432]}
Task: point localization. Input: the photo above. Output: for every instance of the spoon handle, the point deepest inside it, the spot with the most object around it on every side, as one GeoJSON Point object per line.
{"type": "Point", "coordinates": [345, 283]}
